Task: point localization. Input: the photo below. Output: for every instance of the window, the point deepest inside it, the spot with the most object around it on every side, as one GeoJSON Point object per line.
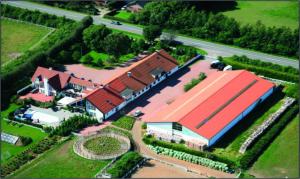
{"type": "Point", "coordinates": [176, 126]}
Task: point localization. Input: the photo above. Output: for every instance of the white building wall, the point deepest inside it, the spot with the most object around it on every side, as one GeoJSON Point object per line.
{"type": "Point", "coordinates": [93, 111]}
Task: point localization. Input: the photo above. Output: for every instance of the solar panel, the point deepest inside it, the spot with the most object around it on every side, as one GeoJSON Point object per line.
{"type": "Point", "coordinates": [226, 104]}
{"type": "Point", "coordinates": [9, 138]}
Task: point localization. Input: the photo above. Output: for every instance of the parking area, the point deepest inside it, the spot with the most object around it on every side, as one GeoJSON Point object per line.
{"type": "Point", "coordinates": [167, 91]}
{"type": "Point", "coordinates": [100, 76]}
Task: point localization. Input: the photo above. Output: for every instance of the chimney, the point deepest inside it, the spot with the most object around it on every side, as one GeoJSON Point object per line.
{"type": "Point", "coordinates": [129, 74]}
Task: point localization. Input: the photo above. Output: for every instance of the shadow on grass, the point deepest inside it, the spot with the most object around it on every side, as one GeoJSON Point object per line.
{"type": "Point", "coordinates": [245, 123]}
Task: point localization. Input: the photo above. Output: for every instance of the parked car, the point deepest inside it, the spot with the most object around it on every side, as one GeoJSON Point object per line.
{"type": "Point", "coordinates": [221, 66]}
{"type": "Point", "coordinates": [116, 22]}
{"type": "Point", "coordinates": [137, 113]}
{"type": "Point", "coordinates": [214, 64]}
{"type": "Point", "coordinates": [227, 68]}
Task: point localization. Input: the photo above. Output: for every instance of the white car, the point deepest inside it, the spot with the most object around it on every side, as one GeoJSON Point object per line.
{"type": "Point", "coordinates": [227, 68]}
{"type": "Point", "coordinates": [137, 113]}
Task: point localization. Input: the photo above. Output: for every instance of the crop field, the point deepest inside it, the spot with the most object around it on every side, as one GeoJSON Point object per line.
{"type": "Point", "coordinates": [229, 145]}
{"type": "Point", "coordinates": [17, 37]}
{"type": "Point", "coordinates": [9, 150]}
{"type": "Point", "coordinates": [61, 162]}
{"type": "Point", "coordinates": [270, 13]}
{"type": "Point", "coordinates": [125, 122]}
{"type": "Point", "coordinates": [103, 145]}
{"type": "Point", "coordinates": [281, 158]}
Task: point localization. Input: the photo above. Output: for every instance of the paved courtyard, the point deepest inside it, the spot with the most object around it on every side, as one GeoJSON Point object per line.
{"type": "Point", "coordinates": [167, 91]}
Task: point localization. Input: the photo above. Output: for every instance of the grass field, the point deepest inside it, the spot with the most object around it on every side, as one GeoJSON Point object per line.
{"type": "Point", "coordinates": [61, 162]}
{"type": "Point", "coordinates": [125, 122]}
{"type": "Point", "coordinates": [229, 145]}
{"type": "Point", "coordinates": [17, 37]}
{"type": "Point", "coordinates": [270, 13]}
{"type": "Point", "coordinates": [123, 14]}
{"type": "Point", "coordinates": [9, 150]}
{"type": "Point", "coordinates": [281, 158]}
{"type": "Point", "coordinates": [103, 145]}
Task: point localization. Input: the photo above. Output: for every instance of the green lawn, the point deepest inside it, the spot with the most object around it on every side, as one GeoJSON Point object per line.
{"type": "Point", "coordinates": [9, 150]}
{"type": "Point", "coordinates": [61, 162]}
{"type": "Point", "coordinates": [229, 145]}
{"type": "Point", "coordinates": [281, 158]}
{"type": "Point", "coordinates": [270, 13]}
{"type": "Point", "coordinates": [103, 145]}
{"type": "Point", "coordinates": [17, 37]}
{"type": "Point", "coordinates": [123, 14]}
{"type": "Point", "coordinates": [125, 122]}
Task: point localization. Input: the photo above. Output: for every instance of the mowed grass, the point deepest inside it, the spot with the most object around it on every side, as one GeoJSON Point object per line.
{"type": "Point", "coordinates": [281, 158]}
{"type": "Point", "coordinates": [123, 14]}
{"type": "Point", "coordinates": [17, 37]}
{"type": "Point", "coordinates": [270, 13]}
{"type": "Point", "coordinates": [229, 145]}
{"type": "Point", "coordinates": [61, 162]}
{"type": "Point", "coordinates": [9, 150]}
{"type": "Point", "coordinates": [125, 122]}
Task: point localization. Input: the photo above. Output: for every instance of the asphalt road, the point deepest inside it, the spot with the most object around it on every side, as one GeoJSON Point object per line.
{"type": "Point", "coordinates": [213, 49]}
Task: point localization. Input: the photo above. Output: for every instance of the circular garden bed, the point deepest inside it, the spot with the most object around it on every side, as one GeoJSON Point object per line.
{"type": "Point", "coordinates": [102, 146]}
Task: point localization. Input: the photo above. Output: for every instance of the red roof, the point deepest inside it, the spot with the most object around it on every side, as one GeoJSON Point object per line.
{"type": "Point", "coordinates": [104, 99]}
{"type": "Point", "coordinates": [140, 72]}
{"type": "Point", "coordinates": [81, 82]}
{"type": "Point", "coordinates": [210, 106]}
{"type": "Point", "coordinates": [57, 79]}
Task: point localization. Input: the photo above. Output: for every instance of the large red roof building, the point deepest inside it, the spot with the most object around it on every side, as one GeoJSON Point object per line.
{"type": "Point", "coordinates": [210, 109]}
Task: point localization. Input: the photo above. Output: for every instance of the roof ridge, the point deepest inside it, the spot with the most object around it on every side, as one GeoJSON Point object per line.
{"type": "Point", "coordinates": [242, 71]}
{"type": "Point", "coordinates": [159, 53]}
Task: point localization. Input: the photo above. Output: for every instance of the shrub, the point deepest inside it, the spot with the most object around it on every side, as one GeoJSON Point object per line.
{"type": "Point", "coordinates": [124, 164]}
{"type": "Point", "coordinates": [144, 126]}
{"type": "Point", "coordinates": [25, 140]}
{"type": "Point", "coordinates": [194, 82]}
{"type": "Point", "coordinates": [267, 69]}
{"type": "Point", "coordinates": [257, 148]}
{"type": "Point", "coordinates": [73, 124]}
{"type": "Point", "coordinates": [292, 90]}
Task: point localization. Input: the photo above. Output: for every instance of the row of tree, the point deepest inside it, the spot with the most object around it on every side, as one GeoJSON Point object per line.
{"type": "Point", "coordinates": [33, 16]}
{"type": "Point", "coordinates": [217, 27]}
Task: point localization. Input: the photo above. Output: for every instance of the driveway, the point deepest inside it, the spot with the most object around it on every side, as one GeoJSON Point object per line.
{"type": "Point", "coordinates": [167, 91]}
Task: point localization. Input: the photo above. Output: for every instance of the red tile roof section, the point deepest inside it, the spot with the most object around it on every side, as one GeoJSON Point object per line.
{"type": "Point", "coordinates": [104, 99]}
{"type": "Point", "coordinates": [201, 101]}
{"type": "Point", "coordinates": [59, 80]}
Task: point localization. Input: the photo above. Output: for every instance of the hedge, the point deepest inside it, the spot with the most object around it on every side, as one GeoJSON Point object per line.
{"type": "Point", "coordinates": [265, 140]}
{"type": "Point", "coordinates": [263, 68]}
{"type": "Point", "coordinates": [36, 17]}
{"type": "Point", "coordinates": [124, 164]}
{"type": "Point", "coordinates": [179, 147]}
{"type": "Point", "coordinates": [25, 140]}
{"type": "Point", "coordinates": [27, 155]}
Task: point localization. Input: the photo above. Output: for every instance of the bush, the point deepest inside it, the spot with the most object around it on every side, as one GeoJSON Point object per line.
{"type": "Point", "coordinates": [73, 124]}
{"type": "Point", "coordinates": [180, 147]}
{"type": "Point", "coordinates": [267, 69]}
{"type": "Point", "coordinates": [144, 126]}
{"type": "Point", "coordinates": [292, 90]}
{"type": "Point", "coordinates": [266, 139]}
{"type": "Point", "coordinates": [194, 82]}
{"type": "Point", "coordinates": [25, 140]}
{"type": "Point", "coordinates": [124, 164]}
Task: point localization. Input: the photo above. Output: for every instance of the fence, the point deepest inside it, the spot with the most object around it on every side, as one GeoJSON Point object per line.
{"type": "Point", "coordinates": [287, 102]}
{"type": "Point", "coordinates": [80, 150]}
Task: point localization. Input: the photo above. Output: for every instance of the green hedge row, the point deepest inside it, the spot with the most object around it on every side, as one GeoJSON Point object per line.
{"type": "Point", "coordinates": [26, 156]}
{"type": "Point", "coordinates": [124, 164]}
{"type": "Point", "coordinates": [265, 140]}
{"type": "Point", "coordinates": [25, 140]}
{"type": "Point", "coordinates": [263, 68]}
{"type": "Point", "coordinates": [35, 17]}
{"type": "Point", "coordinates": [73, 124]}
{"type": "Point", "coordinates": [179, 147]}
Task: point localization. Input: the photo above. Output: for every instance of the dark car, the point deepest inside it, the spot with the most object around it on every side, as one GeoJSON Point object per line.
{"type": "Point", "coordinates": [116, 22]}
{"type": "Point", "coordinates": [221, 66]}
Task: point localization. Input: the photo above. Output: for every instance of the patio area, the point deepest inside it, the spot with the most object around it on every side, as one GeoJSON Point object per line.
{"type": "Point", "coordinates": [38, 97]}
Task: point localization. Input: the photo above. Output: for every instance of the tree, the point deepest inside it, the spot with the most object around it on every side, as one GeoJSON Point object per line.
{"type": "Point", "coordinates": [151, 32]}
{"type": "Point", "coordinates": [87, 59]}
{"type": "Point", "coordinates": [117, 44]}
{"type": "Point", "coordinates": [138, 46]}
{"type": "Point", "coordinates": [94, 35]}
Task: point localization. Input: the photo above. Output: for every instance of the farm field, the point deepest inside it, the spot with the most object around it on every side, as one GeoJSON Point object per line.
{"type": "Point", "coordinates": [17, 37]}
{"type": "Point", "coordinates": [270, 13]}
{"type": "Point", "coordinates": [229, 145]}
{"type": "Point", "coordinates": [61, 162]}
{"type": "Point", "coordinates": [281, 158]}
